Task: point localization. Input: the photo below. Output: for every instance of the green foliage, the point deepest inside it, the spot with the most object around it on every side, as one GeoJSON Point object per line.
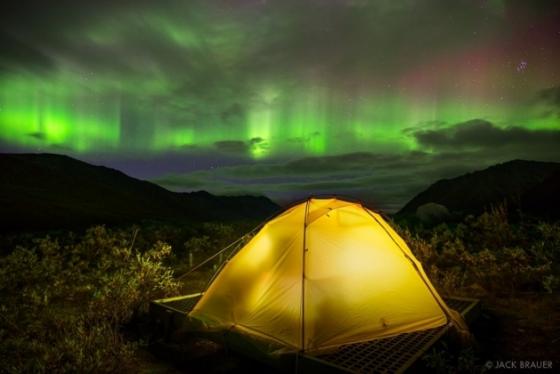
{"type": "Point", "coordinates": [64, 299]}
{"type": "Point", "coordinates": [211, 238]}
{"type": "Point", "coordinates": [551, 283]}
{"type": "Point", "coordinates": [442, 360]}
{"type": "Point", "coordinates": [62, 306]}
{"type": "Point", "coordinates": [199, 244]}
{"type": "Point", "coordinates": [489, 255]}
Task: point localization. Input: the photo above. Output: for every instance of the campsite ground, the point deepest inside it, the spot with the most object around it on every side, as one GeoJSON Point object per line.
{"type": "Point", "coordinates": [195, 355]}
{"type": "Point", "coordinates": [524, 327]}
{"type": "Point", "coordinates": [521, 328]}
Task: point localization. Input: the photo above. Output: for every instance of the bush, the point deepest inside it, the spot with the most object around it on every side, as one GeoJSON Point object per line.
{"type": "Point", "coordinates": [489, 255]}
{"type": "Point", "coordinates": [443, 360]}
{"type": "Point", "coordinates": [62, 307]}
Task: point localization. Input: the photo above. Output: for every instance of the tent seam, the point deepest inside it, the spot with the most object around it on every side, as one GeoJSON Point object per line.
{"type": "Point", "coordinates": [443, 309]}
{"type": "Point", "coordinates": [302, 307]}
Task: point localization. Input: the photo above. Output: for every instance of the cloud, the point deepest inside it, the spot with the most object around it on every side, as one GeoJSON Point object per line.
{"type": "Point", "coordinates": [483, 135]}
{"type": "Point", "coordinates": [231, 146]}
{"type": "Point", "coordinates": [241, 148]}
{"type": "Point", "coordinates": [18, 55]}
{"type": "Point", "coordinates": [205, 64]}
{"type": "Point", "coordinates": [38, 135]}
{"type": "Point", "coordinates": [551, 96]}
{"type": "Point", "coordinates": [256, 140]}
{"type": "Point", "coordinates": [386, 181]}
{"type": "Point", "coordinates": [549, 101]}
{"type": "Point", "coordinates": [233, 112]}
{"type": "Point", "coordinates": [249, 38]}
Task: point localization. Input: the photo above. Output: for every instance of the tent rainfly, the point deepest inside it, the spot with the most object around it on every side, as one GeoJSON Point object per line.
{"type": "Point", "coordinates": [322, 274]}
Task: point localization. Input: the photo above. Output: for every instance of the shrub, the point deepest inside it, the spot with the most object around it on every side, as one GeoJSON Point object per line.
{"type": "Point", "coordinates": [443, 360]}
{"type": "Point", "coordinates": [62, 307]}
{"type": "Point", "coordinates": [550, 283]}
{"type": "Point", "coordinates": [489, 255]}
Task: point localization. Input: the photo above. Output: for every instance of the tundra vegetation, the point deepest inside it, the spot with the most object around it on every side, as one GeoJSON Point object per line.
{"type": "Point", "coordinates": [70, 302]}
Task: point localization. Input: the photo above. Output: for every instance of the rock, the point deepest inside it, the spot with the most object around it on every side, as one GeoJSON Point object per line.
{"type": "Point", "coordinates": [432, 213]}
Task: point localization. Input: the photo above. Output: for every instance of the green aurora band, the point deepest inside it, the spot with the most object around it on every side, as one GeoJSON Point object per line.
{"type": "Point", "coordinates": [74, 114]}
{"type": "Point", "coordinates": [204, 79]}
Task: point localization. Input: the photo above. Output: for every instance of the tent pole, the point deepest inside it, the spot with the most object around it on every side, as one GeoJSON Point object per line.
{"type": "Point", "coordinates": [303, 277]}
{"type": "Point", "coordinates": [414, 266]}
{"type": "Point", "coordinates": [199, 265]}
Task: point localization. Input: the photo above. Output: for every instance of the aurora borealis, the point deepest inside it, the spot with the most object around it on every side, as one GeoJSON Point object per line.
{"type": "Point", "coordinates": [374, 99]}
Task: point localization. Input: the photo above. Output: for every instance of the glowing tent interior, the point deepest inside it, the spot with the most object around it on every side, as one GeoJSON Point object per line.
{"type": "Point", "coordinates": [324, 273]}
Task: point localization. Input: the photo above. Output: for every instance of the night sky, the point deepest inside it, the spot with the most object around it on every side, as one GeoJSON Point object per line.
{"type": "Point", "coordinates": [370, 99]}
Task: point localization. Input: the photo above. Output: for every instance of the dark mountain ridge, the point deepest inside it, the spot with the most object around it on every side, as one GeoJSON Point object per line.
{"type": "Point", "coordinates": [47, 191]}
{"type": "Point", "coordinates": [543, 200]}
{"type": "Point", "coordinates": [526, 186]}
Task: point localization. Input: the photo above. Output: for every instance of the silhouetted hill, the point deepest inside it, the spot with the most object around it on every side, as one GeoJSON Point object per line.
{"type": "Point", "coordinates": [43, 191]}
{"type": "Point", "coordinates": [543, 200]}
{"type": "Point", "coordinates": [515, 182]}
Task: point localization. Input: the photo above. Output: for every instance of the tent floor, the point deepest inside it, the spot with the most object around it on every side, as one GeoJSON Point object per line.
{"type": "Point", "coordinates": [388, 355]}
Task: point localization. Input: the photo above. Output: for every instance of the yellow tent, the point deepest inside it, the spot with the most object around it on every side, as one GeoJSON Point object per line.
{"type": "Point", "coordinates": [324, 273]}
